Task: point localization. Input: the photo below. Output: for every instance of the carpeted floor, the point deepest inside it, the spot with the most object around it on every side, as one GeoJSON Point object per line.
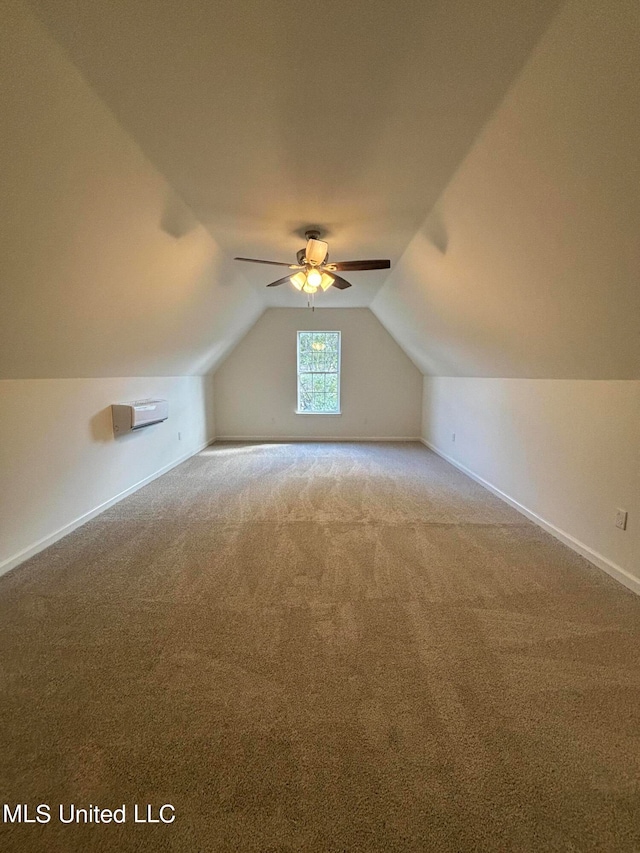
{"type": "Point", "coordinates": [320, 647]}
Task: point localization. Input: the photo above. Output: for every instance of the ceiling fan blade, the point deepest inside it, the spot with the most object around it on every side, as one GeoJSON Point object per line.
{"type": "Point", "coordinates": [353, 266]}
{"type": "Point", "coordinates": [339, 282]}
{"type": "Point", "coordinates": [280, 281]}
{"type": "Point", "coordinates": [273, 263]}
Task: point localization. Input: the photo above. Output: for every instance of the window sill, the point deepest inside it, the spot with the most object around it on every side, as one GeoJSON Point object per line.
{"type": "Point", "coordinates": [322, 414]}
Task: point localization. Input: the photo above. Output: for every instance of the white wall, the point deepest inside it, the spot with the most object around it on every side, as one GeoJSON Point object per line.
{"type": "Point", "coordinates": [59, 461]}
{"type": "Point", "coordinates": [255, 389]}
{"type": "Point", "coordinates": [568, 451]}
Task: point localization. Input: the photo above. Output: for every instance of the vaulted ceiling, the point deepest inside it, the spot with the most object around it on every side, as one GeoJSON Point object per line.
{"type": "Point", "coordinates": [148, 143]}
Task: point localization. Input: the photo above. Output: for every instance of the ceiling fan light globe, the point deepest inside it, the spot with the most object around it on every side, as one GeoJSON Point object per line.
{"type": "Point", "coordinates": [327, 281]}
{"type": "Point", "coordinates": [298, 280]}
{"type": "Point", "coordinates": [316, 251]}
{"type": "Point", "coordinates": [314, 278]}
{"type": "Point", "coordinates": [309, 288]}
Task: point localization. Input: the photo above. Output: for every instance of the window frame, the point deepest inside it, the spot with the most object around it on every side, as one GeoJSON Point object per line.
{"type": "Point", "coordinates": [337, 373]}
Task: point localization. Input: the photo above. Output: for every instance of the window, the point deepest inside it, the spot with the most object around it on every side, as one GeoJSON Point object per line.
{"type": "Point", "coordinates": [319, 373]}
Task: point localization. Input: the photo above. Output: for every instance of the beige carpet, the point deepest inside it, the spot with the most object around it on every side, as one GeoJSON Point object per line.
{"type": "Point", "coordinates": [347, 647]}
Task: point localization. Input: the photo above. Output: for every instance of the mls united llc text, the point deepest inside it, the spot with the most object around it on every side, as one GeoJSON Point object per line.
{"type": "Point", "coordinates": [70, 813]}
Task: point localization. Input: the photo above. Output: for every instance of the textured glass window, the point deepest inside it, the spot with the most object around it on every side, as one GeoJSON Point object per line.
{"type": "Point", "coordinates": [319, 373]}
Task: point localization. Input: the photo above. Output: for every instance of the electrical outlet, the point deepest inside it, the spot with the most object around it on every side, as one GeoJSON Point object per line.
{"type": "Point", "coordinates": [621, 519]}
{"type": "Point", "coordinates": [453, 437]}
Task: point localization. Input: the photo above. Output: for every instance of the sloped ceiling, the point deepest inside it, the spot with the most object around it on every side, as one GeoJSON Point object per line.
{"type": "Point", "coordinates": [529, 264]}
{"type": "Point", "coordinates": [103, 270]}
{"type": "Point", "coordinates": [150, 142]}
{"type": "Point", "coordinates": [266, 117]}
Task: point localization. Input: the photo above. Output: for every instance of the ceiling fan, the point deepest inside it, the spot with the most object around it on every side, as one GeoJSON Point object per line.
{"type": "Point", "coordinates": [314, 269]}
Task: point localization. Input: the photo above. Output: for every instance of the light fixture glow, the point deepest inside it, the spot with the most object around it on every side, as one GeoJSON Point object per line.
{"type": "Point", "coordinates": [298, 280]}
{"type": "Point", "coordinates": [310, 280]}
{"type": "Point", "coordinates": [314, 278]}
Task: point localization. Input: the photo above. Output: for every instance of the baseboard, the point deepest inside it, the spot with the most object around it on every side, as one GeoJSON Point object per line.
{"type": "Point", "coordinates": [271, 439]}
{"type": "Point", "coordinates": [41, 544]}
{"type": "Point", "coordinates": [598, 560]}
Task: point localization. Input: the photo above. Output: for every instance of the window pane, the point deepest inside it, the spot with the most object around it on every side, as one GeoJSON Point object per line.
{"type": "Point", "coordinates": [319, 372]}
{"type": "Point", "coordinates": [305, 361]}
{"type": "Point", "coordinates": [331, 401]}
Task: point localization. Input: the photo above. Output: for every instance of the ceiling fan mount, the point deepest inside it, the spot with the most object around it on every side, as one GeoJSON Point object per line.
{"type": "Point", "coordinates": [313, 269]}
